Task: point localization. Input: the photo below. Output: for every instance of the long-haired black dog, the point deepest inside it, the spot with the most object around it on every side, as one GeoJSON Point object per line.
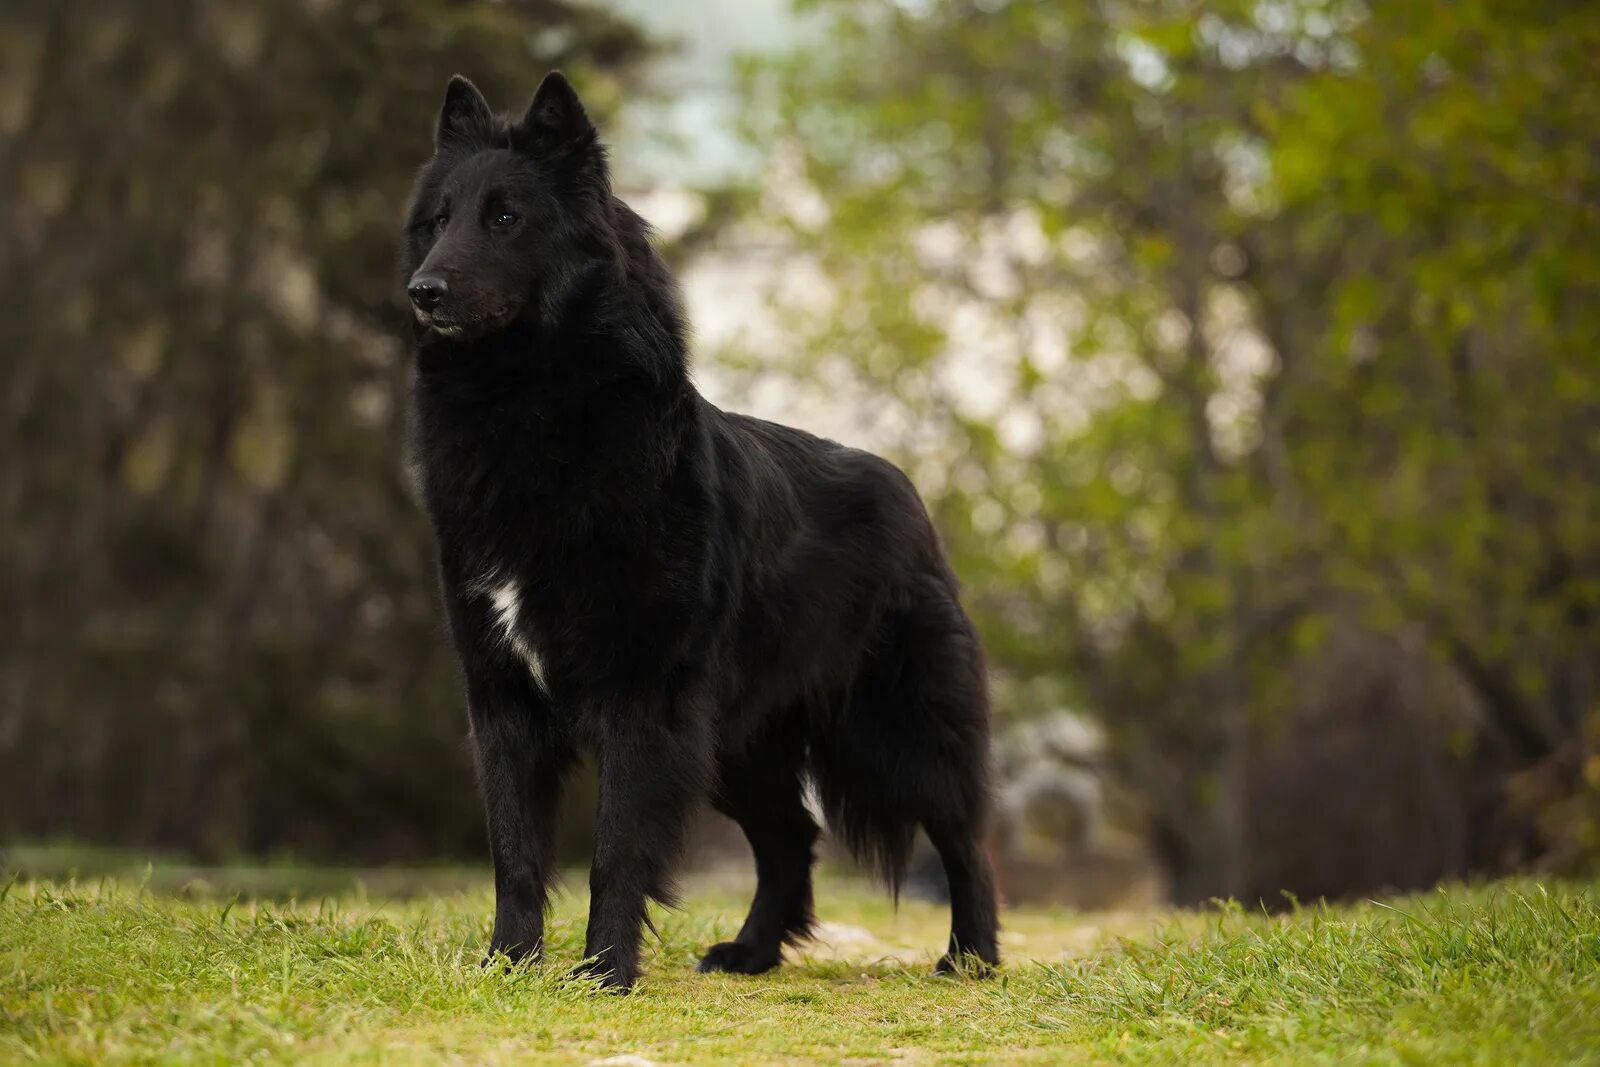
{"type": "Point", "coordinates": [710, 603]}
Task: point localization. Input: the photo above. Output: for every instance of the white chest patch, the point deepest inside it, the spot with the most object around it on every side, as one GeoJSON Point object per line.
{"type": "Point", "coordinates": [507, 601]}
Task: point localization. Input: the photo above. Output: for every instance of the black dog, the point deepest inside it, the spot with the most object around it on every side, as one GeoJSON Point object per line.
{"type": "Point", "coordinates": [709, 602]}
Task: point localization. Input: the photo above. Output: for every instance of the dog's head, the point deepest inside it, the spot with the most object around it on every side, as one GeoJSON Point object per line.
{"type": "Point", "coordinates": [507, 212]}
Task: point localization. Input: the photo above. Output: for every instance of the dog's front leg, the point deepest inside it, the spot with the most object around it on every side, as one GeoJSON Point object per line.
{"type": "Point", "coordinates": [521, 764]}
{"type": "Point", "coordinates": [652, 766]}
{"type": "Point", "coordinates": [522, 755]}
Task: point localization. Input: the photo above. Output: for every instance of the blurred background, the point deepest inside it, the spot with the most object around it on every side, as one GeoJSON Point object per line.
{"type": "Point", "coordinates": [1247, 353]}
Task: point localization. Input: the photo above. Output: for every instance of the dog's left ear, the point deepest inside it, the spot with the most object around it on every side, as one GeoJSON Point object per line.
{"type": "Point", "coordinates": [556, 117]}
{"type": "Point", "coordinates": [465, 118]}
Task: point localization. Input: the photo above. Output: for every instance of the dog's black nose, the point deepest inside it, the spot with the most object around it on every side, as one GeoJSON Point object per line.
{"type": "Point", "coordinates": [428, 293]}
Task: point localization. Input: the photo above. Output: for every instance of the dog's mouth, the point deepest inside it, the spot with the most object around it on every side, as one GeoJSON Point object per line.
{"type": "Point", "coordinates": [461, 329]}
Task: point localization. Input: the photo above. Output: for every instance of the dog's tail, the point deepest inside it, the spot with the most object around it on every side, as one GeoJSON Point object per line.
{"type": "Point", "coordinates": [906, 744]}
{"type": "Point", "coordinates": [879, 837]}
{"type": "Point", "coordinates": [856, 758]}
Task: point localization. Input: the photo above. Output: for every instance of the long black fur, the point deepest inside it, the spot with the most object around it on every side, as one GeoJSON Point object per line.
{"type": "Point", "coordinates": [711, 603]}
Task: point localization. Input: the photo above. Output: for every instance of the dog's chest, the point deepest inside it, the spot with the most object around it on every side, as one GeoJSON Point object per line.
{"type": "Point", "coordinates": [505, 601]}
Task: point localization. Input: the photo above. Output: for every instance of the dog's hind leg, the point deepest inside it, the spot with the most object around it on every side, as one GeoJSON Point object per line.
{"type": "Point", "coordinates": [951, 694]}
{"type": "Point", "coordinates": [910, 746]}
{"type": "Point", "coordinates": [761, 790]}
{"type": "Point", "coordinates": [973, 921]}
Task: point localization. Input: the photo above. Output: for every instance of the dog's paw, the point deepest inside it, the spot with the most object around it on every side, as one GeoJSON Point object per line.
{"type": "Point", "coordinates": [965, 965]}
{"type": "Point", "coordinates": [507, 957]}
{"type": "Point", "coordinates": [736, 958]}
{"type": "Point", "coordinates": [605, 975]}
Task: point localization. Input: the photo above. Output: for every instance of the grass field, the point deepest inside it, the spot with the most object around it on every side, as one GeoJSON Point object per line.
{"type": "Point", "coordinates": [105, 972]}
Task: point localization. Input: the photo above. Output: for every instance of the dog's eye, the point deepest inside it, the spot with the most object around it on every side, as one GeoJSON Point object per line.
{"type": "Point", "coordinates": [504, 219]}
{"type": "Point", "coordinates": [440, 220]}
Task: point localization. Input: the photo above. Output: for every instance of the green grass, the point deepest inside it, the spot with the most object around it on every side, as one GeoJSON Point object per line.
{"type": "Point", "coordinates": [1508, 973]}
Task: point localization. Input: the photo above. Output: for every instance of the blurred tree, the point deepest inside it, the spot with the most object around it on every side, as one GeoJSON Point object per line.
{"type": "Point", "coordinates": [1248, 353]}
{"type": "Point", "coordinates": [221, 631]}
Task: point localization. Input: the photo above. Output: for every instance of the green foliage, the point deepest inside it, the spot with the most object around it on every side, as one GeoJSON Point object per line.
{"type": "Point", "coordinates": [1498, 974]}
{"type": "Point", "coordinates": [1238, 346]}
{"type": "Point", "coordinates": [221, 629]}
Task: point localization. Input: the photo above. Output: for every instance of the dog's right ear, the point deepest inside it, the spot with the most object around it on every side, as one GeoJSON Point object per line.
{"type": "Point", "coordinates": [465, 118]}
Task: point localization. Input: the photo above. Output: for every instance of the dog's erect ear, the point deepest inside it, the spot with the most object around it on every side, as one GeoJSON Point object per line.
{"type": "Point", "coordinates": [465, 117]}
{"type": "Point", "coordinates": [556, 116]}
